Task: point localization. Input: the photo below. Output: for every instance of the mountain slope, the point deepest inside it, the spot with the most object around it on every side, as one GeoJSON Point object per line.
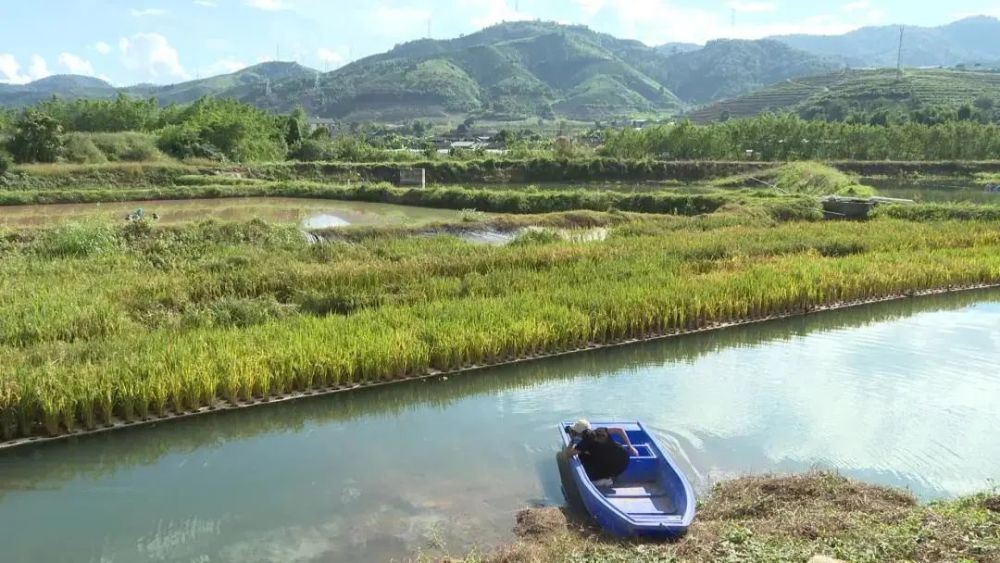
{"type": "Point", "coordinates": [968, 41]}
{"type": "Point", "coordinates": [513, 70]}
{"type": "Point", "coordinates": [67, 86]}
{"type": "Point", "coordinates": [727, 68]}
{"type": "Point", "coordinates": [240, 84]}
{"type": "Point", "coordinates": [837, 95]}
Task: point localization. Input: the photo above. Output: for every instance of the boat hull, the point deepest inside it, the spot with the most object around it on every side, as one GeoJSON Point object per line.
{"type": "Point", "coordinates": [652, 498]}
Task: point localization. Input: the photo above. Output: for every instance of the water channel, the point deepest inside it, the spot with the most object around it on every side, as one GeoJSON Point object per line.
{"type": "Point", "coordinates": [901, 393]}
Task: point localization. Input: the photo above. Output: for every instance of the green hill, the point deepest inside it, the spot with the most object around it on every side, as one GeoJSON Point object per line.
{"type": "Point", "coordinates": [836, 95]}
{"type": "Point", "coordinates": [68, 86]}
{"type": "Point", "coordinates": [510, 71]}
{"type": "Point", "coordinates": [245, 83]}
{"type": "Point", "coordinates": [729, 68]}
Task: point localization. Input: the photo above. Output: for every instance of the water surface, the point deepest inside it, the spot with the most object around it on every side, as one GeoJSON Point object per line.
{"type": "Point", "coordinates": [310, 213]}
{"type": "Point", "coordinates": [901, 394]}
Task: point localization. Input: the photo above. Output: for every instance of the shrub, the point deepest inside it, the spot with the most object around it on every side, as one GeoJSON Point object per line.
{"type": "Point", "coordinates": [80, 149]}
{"type": "Point", "coordinates": [127, 147]}
{"type": "Point", "coordinates": [5, 163]}
{"type": "Point", "coordinates": [78, 240]}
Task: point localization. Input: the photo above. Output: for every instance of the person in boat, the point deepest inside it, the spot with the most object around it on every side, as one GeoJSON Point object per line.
{"type": "Point", "coordinates": [603, 458]}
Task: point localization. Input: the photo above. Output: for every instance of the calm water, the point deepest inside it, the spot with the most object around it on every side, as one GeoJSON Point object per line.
{"type": "Point", "coordinates": [901, 394]}
{"type": "Point", "coordinates": [934, 190]}
{"type": "Point", "coordinates": [310, 213]}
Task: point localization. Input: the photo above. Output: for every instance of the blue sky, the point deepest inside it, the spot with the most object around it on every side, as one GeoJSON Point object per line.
{"type": "Point", "coordinates": [164, 41]}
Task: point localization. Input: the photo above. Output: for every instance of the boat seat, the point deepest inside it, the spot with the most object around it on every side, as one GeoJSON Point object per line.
{"type": "Point", "coordinates": [636, 490]}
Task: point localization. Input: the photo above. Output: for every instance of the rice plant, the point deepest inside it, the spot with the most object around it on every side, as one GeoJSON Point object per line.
{"type": "Point", "coordinates": [89, 339]}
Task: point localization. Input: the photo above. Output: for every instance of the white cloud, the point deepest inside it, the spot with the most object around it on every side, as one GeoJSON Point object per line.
{"type": "Point", "coordinates": [857, 6]}
{"type": "Point", "coordinates": [76, 64]}
{"type": "Point", "coordinates": [207, 3]}
{"type": "Point", "coordinates": [744, 6]}
{"type": "Point", "coordinates": [151, 56]}
{"type": "Point", "coordinates": [490, 12]}
{"type": "Point", "coordinates": [38, 68]}
{"type": "Point", "coordinates": [102, 48]}
{"type": "Point", "coordinates": [269, 5]}
{"type": "Point", "coordinates": [331, 58]}
{"type": "Point", "coordinates": [148, 12]}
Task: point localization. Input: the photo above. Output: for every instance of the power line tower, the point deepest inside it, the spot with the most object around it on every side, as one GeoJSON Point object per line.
{"type": "Point", "coordinates": [899, 54]}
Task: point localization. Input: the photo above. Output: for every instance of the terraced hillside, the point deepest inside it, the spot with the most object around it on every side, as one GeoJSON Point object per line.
{"type": "Point", "coordinates": [838, 94]}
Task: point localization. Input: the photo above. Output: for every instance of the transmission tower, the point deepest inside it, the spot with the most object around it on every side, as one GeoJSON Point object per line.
{"type": "Point", "coordinates": [899, 54]}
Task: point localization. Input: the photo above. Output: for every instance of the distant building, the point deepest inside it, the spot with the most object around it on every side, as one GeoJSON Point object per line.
{"type": "Point", "coordinates": [317, 122]}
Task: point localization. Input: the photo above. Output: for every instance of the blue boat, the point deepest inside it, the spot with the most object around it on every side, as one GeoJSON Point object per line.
{"type": "Point", "coordinates": [652, 498]}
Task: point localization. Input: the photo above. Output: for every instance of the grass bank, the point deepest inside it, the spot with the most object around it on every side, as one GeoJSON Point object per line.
{"type": "Point", "coordinates": [782, 518]}
{"type": "Point", "coordinates": [482, 171]}
{"type": "Point", "coordinates": [100, 323]}
{"type": "Point", "coordinates": [455, 197]}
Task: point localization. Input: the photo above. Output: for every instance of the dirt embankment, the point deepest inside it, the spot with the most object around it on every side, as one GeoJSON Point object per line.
{"type": "Point", "coordinates": [813, 517]}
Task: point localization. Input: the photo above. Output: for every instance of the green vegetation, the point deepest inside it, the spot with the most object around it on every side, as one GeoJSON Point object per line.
{"type": "Point", "coordinates": [728, 68]}
{"type": "Point", "coordinates": [787, 137]}
{"type": "Point", "coordinates": [878, 97]}
{"type": "Point", "coordinates": [784, 518]}
{"type": "Point", "coordinates": [101, 322]}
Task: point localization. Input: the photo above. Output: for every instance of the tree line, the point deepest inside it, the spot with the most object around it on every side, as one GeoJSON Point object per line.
{"type": "Point", "coordinates": [789, 138]}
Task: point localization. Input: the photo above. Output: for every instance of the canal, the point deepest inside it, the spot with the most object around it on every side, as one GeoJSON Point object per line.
{"type": "Point", "coordinates": [900, 393]}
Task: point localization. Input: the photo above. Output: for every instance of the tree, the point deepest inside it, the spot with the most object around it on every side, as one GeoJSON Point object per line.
{"type": "Point", "coordinates": [965, 112]}
{"type": "Point", "coordinates": [985, 103]}
{"type": "Point", "coordinates": [4, 163]}
{"type": "Point", "coordinates": [297, 126]}
{"type": "Point", "coordinates": [36, 138]}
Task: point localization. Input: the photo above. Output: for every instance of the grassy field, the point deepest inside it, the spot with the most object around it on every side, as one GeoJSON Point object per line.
{"type": "Point", "coordinates": [103, 322]}
{"type": "Point", "coordinates": [786, 518]}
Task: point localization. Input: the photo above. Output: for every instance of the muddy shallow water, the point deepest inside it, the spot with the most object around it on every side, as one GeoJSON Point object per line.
{"type": "Point", "coordinates": [309, 213]}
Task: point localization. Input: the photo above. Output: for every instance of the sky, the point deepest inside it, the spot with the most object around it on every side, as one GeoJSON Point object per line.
{"type": "Point", "coordinates": [167, 41]}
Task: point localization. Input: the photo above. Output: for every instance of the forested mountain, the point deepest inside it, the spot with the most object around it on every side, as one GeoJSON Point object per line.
{"type": "Point", "coordinates": [68, 86]}
{"type": "Point", "coordinates": [240, 84]}
{"type": "Point", "coordinates": [511, 70]}
{"type": "Point", "coordinates": [727, 68]}
{"type": "Point", "coordinates": [540, 69]}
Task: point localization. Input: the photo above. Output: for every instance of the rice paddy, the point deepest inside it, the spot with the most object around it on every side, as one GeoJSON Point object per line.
{"type": "Point", "coordinates": [100, 322]}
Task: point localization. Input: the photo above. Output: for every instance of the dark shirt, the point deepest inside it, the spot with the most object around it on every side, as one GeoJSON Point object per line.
{"type": "Point", "coordinates": [600, 455]}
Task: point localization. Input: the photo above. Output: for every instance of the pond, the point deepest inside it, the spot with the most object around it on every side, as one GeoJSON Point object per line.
{"type": "Point", "coordinates": [309, 213]}
{"type": "Point", "coordinates": [900, 393]}
{"type": "Point", "coordinates": [934, 189]}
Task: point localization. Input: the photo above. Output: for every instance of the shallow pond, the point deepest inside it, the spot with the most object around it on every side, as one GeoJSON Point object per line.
{"type": "Point", "coordinates": [309, 213]}
{"type": "Point", "coordinates": [901, 393]}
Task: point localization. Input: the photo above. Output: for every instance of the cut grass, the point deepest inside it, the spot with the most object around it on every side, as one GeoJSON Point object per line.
{"type": "Point", "coordinates": [783, 518]}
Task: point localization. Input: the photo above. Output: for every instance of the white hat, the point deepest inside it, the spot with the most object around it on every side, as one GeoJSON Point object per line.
{"type": "Point", "coordinates": [581, 425]}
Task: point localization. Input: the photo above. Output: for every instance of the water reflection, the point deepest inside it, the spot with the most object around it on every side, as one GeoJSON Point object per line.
{"type": "Point", "coordinates": [310, 213]}
{"type": "Point", "coordinates": [897, 393]}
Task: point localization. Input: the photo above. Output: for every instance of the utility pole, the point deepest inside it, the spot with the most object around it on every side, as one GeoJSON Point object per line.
{"type": "Point", "coordinates": [899, 55]}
